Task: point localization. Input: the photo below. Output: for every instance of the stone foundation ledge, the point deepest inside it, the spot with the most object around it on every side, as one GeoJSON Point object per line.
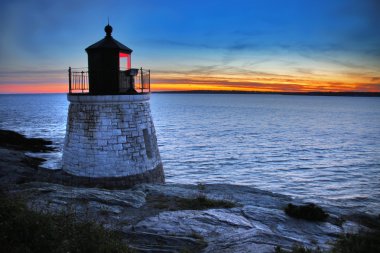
{"type": "Point", "coordinates": [154, 176]}
{"type": "Point", "coordinates": [107, 98]}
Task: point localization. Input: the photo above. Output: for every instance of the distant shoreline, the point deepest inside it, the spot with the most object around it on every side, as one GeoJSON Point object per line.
{"type": "Point", "coordinates": [317, 93]}
{"type": "Point", "coordinates": [339, 94]}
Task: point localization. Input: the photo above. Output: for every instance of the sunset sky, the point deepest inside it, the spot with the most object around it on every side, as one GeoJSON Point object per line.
{"type": "Point", "coordinates": [267, 45]}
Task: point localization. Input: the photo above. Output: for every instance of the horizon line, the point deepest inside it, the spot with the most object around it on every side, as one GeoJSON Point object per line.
{"type": "Point", "coordinates": [326, 93]}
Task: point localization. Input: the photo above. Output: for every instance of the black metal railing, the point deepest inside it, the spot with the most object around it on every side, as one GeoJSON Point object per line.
{"type": "Point", "coordinates": [144, 79]}
{"type": "Point", "coordinates": [78, 81]}
{"type": "Point", "coordinates": [138, 82]}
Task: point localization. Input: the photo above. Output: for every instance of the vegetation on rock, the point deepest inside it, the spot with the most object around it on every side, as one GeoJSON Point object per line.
{"type": "Point", "coordinates": [364, 242]}
{"type": "Point", "coordinates": [22, 230]}
{"type": "Point", "coordinates": [202, 202]}
{"type": "Point", "coordinates": [310, 212]}
{"type": "Point", "coordinates": [297, 249]}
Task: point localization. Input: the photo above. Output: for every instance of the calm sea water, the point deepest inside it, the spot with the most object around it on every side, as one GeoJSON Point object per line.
{"type": "Point", "coordinates": [323, 149]}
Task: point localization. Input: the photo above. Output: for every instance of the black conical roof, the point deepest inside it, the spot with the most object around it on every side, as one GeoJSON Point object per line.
{"type": "Point", "coordinates": [109, 43]}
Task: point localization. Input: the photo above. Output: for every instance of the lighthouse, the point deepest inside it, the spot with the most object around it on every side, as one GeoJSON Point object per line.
{"type": "Point", "coordinates": [110, 136]}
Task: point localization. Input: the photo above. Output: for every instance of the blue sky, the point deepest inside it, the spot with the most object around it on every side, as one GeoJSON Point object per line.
{"type": "Point", "coordinates": [251, 41]}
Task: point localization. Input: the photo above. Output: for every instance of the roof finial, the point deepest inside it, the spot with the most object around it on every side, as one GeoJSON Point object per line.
{"type": "Point", "coordinates": [108, 28]}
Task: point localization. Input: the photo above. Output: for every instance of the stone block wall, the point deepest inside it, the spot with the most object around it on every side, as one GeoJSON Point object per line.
{"type": "Point", "coordinates": [110, 136]}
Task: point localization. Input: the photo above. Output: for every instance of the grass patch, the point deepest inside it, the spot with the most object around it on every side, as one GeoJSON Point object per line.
{"type": "Point", "coordinates": [369, 221]}
{"type": "Point", "coordinates": [363, 242]}
{"type": "Point", "coordinates": [197, 236]}
{"type": "Point", "coordinates": [202, 202]}
{"type": "Point", "coordinates": [297, 249]}
{"type": "Point", "coordinates": [309, 212]}
{"type": "Point", "coordinates": [162, 205]}
{"type": "Point", "coordinates": [22, 230]}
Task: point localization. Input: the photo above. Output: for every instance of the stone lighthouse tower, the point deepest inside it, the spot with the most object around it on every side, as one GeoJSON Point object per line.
{"type": "Point", "coordinates": [110, 137]}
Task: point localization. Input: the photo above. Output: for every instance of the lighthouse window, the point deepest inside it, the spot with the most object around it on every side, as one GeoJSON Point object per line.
{"type": "Point", "coordinates": [125, 61]}
{"type": "Point", "coordinates": [148, 144]}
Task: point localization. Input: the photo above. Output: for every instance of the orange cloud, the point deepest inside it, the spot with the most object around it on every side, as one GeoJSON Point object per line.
{"type": "Point", "coordinates": [264, 82]}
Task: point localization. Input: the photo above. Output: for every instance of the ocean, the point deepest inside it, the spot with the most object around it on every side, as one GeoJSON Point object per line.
{"type": "Point", "coordinates": [321, 149]}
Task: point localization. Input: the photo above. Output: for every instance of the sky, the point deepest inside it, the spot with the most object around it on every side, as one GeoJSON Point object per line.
{"type": "Point", "coordinates": [252, 45]}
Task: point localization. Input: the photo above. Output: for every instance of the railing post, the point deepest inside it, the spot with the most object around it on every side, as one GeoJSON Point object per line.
{"type": "Point", "coordinates": [149, 79]}
{"type": "Point", "coordinates": [142, 80]}
{"type": "Point", "coordinates": [81, 81]}
{"type": "Point", "coordinates": [69, 79]}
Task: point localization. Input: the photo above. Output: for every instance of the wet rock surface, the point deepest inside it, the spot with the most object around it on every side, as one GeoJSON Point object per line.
{"type": "Point", "coordinates": [151, 219]}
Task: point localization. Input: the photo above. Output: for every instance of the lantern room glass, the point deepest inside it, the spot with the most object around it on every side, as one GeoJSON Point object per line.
{"type": "Point", "coordinates": [124, 61]}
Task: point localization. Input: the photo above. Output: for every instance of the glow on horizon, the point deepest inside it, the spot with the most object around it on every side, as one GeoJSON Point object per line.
{"type": "Point", "coordinates": [33, 88]}
{"type": "Point", "coordinates": [237, 80]}
{"type": "Point", "coordinates": [221, 83]}
{"type": "Point", "coordinates": [265, 82]}
{"type": "Point", "coordinates": [271, 77]}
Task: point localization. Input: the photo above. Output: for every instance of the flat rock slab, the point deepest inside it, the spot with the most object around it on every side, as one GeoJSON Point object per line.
{"type": "Point", "coordinates": [248, 227]}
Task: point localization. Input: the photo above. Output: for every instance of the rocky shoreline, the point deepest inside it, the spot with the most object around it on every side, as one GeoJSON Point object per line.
{"type": "Point", "coordinates": [152, 218]}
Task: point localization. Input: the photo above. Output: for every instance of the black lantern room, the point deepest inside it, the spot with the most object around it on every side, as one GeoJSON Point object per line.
{"type": "Point", "coordinates": [109, 71]}
{"type": "Point", "coordinates": [109, 63]}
